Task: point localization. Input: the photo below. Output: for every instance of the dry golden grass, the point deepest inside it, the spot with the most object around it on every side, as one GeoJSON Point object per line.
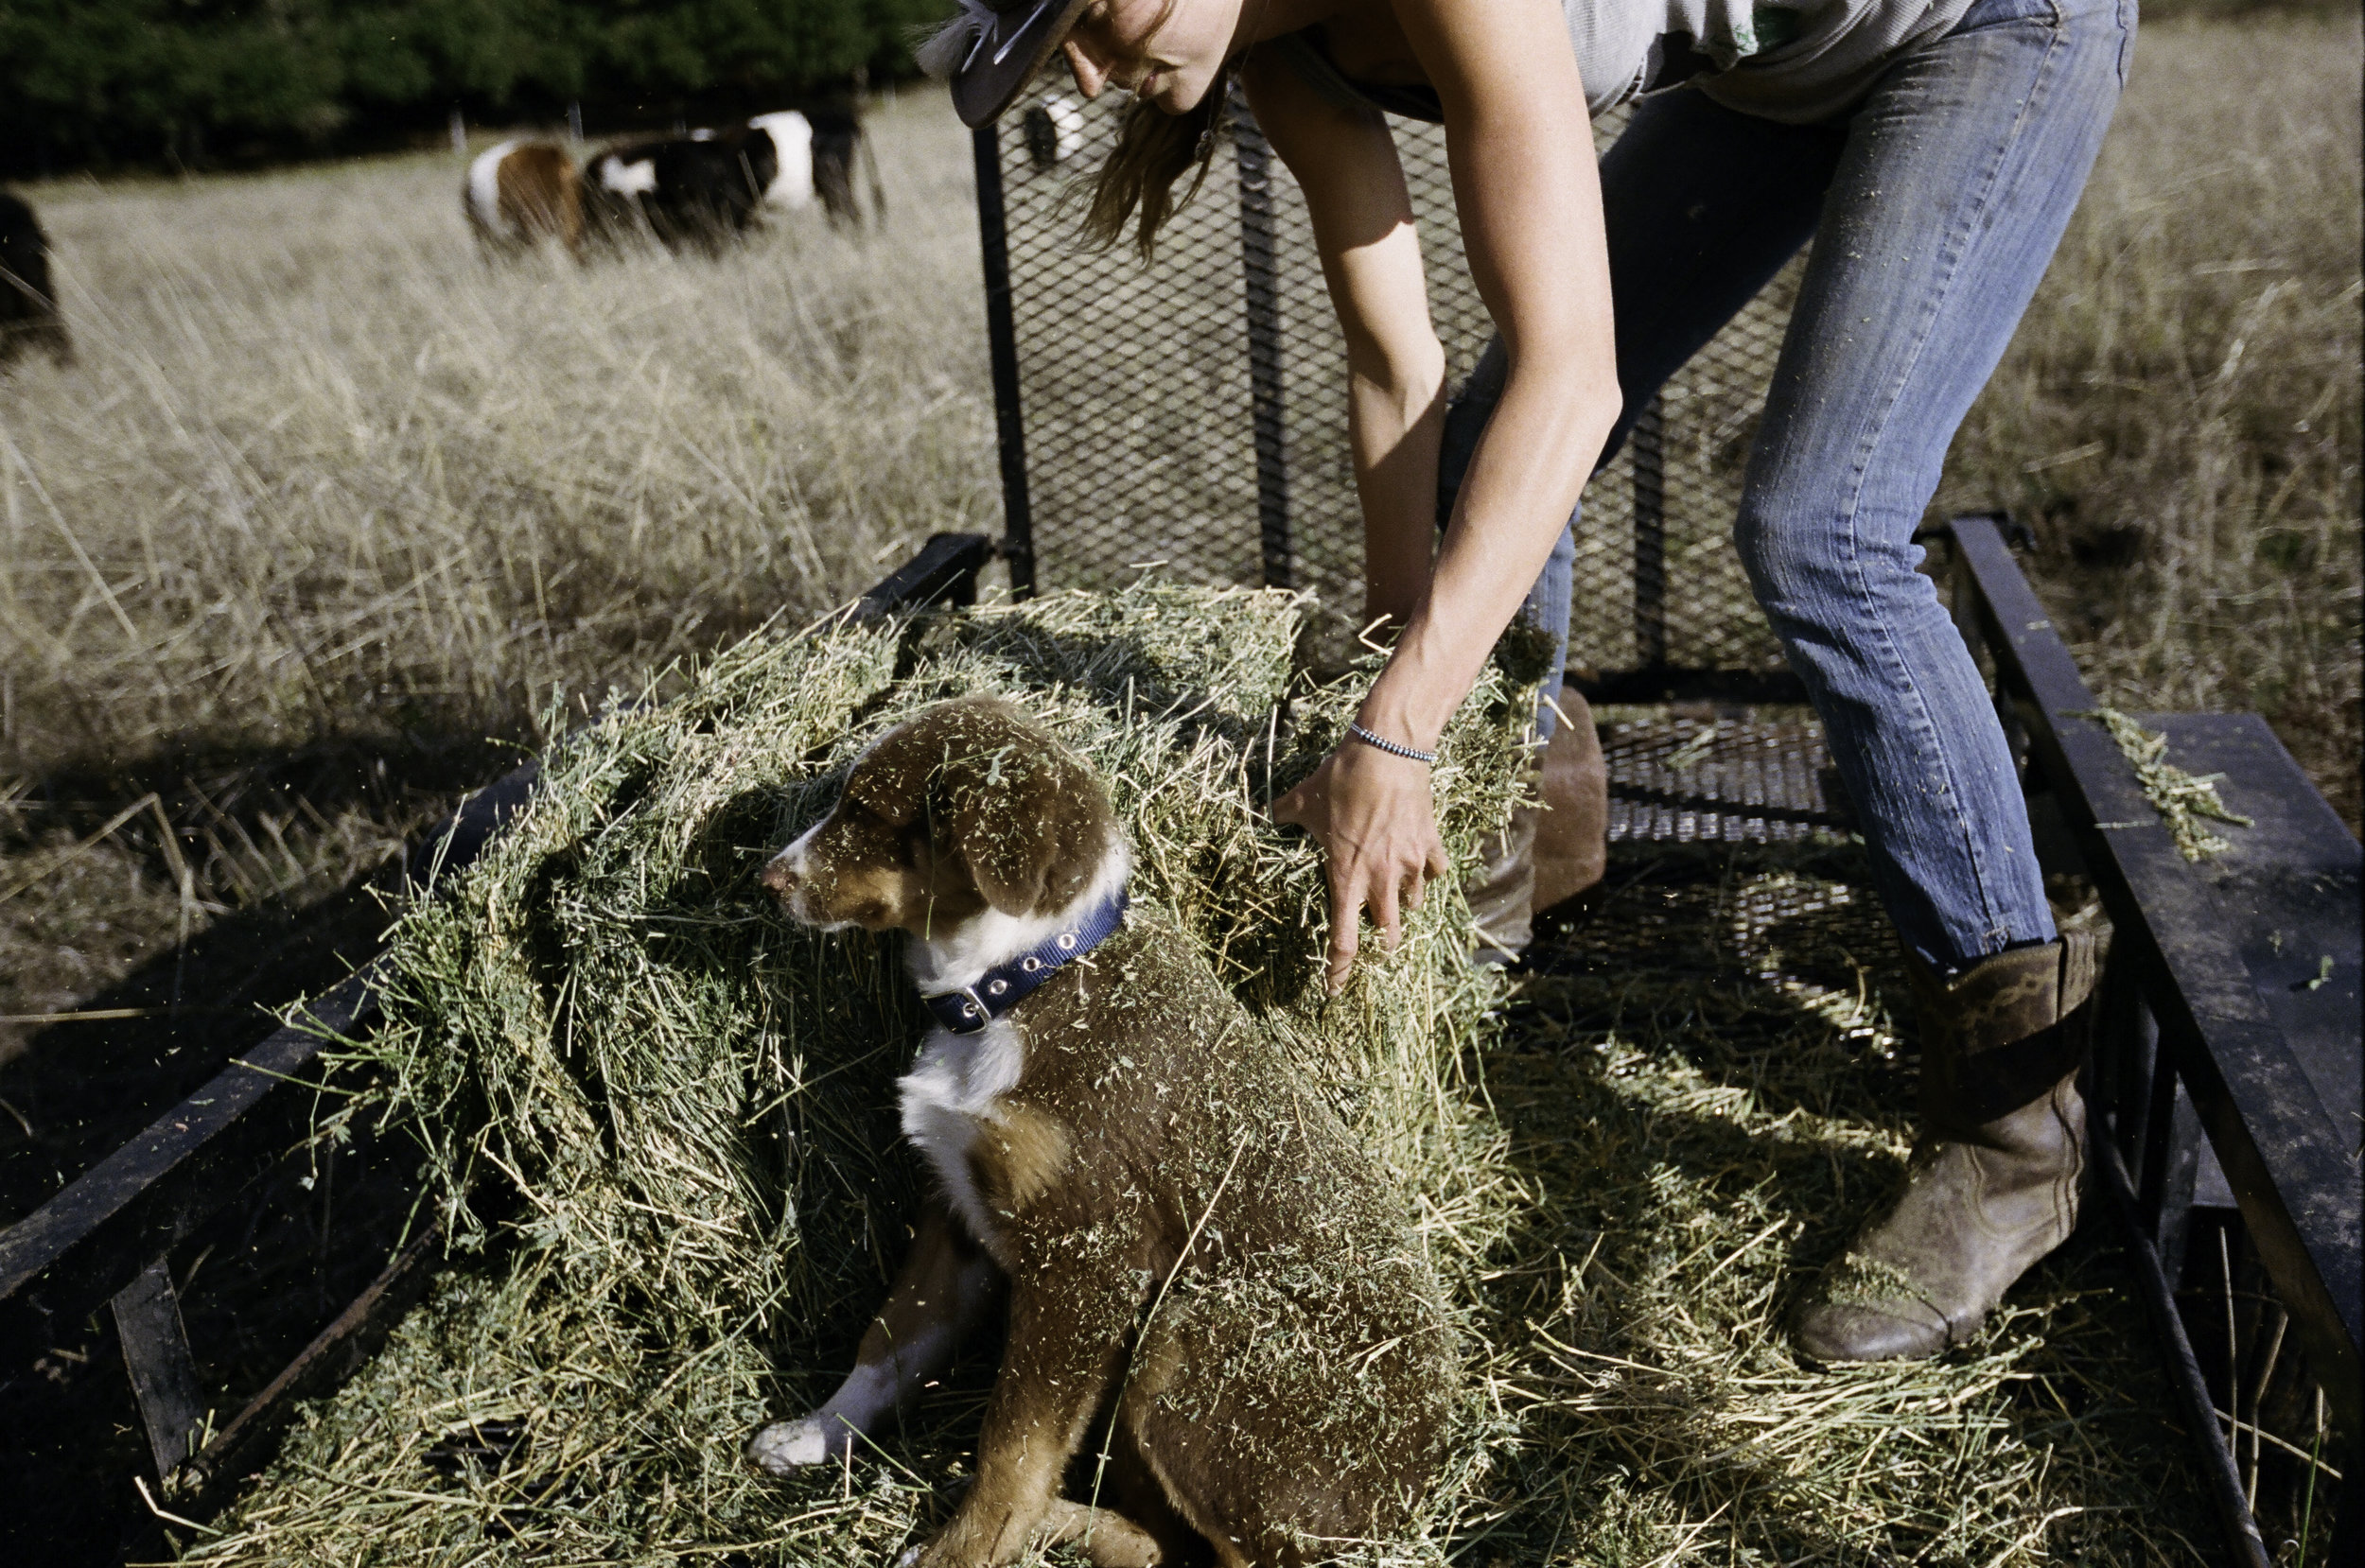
{"type": "Point", "coordinates": [2179, 417]}
{"type": "Point", "coordinates": [325, 501]}
{"type": "Point", "coordinates": [321, 471]}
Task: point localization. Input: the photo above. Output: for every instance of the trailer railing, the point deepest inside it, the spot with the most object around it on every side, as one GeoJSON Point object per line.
{"type": "Point", "coordinates": [103, 1243]}
{"type": "Point", "coordinates": [2211, 1045]}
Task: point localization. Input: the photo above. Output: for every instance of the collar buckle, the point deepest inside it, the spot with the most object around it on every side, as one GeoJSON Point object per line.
{"type": "Point", "coordinates": [965, 1011]}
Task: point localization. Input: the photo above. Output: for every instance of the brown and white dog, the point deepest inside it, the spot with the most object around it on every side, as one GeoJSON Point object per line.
{"type": "Point", "coordinates": [1201, 1262]}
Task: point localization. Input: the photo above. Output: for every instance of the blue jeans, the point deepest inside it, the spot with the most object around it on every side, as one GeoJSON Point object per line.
{"type": "Point", "coordinates": [1935, 206]}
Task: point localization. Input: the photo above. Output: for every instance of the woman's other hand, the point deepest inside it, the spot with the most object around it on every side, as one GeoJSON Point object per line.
{"type": "Point", "coordinates": [1377, 824]}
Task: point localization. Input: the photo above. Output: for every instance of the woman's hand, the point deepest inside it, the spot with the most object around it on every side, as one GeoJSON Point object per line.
{"type": "Point", "coordinates": [1373, 815]}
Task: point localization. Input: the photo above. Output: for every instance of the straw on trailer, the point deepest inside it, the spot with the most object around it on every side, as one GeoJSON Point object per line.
{"type": "Point", "coordinates": [1619, 1171]}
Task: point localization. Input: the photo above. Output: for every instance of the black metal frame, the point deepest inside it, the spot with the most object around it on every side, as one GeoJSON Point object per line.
{"type": "Point", "coordinates": [2191, 1047]}
{"type": "Point", "coordinates": [1009, 426]}
{"type": "Point", "coordinates": [104, 1240]}
{"type": "Point", "coordinates": [1651, 680]}
{"type": "Point", "coordinates": [2188, 1047]}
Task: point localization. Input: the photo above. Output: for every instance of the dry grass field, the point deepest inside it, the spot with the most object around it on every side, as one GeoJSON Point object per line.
{"type": "Point", "coordinates": [328, 509]}
{"type": "Point", "coordinates": [325, 501]}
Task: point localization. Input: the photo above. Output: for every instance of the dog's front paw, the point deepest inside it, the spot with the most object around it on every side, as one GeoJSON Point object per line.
{"type": "Point", "coordinates": [784, 1448]}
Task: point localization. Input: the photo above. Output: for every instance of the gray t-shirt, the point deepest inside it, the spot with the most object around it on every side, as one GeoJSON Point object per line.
{"type": "Point", "coordinates": [1797, 62]}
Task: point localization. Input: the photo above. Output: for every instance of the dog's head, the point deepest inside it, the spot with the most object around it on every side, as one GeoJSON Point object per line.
{"type": "Point", "coordinates": [971, 807]}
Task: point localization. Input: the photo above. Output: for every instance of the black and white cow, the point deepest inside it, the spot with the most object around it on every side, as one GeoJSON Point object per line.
{"type": "Point", "coordinates": [837, 140]}
{"type": "Point", "coordinates": [699, 190]}
{"type": "Point", "coordinates": [29, 305]}
{"type": "Point", "coordinates": [708, 187]}
{"type": "Point", "coordinates": [1053, 131]}
{"type": "Point", "coordinates": [817, 150]}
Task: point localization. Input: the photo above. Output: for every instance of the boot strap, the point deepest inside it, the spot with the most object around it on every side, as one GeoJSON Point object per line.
{"type": "Point", "coordinates": [2004, 1000]}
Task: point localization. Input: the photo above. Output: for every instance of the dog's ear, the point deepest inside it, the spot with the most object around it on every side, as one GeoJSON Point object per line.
{"type": "Point", "coordinates": [1023, 814]}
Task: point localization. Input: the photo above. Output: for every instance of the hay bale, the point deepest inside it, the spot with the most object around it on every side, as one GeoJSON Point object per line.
{"type": "Point", "coordinates": [694, 1099]}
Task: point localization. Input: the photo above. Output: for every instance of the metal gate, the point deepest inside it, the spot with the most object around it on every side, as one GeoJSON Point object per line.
{"type": "Point", "coordinates": [1193, 412]}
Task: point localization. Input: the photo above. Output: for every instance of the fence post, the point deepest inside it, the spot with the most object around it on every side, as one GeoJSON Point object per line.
{"type": "Point", "coordinates": [1260, 269]}
{"type": "Point", "coordinates": [1018, 523]}
{"type": "Point", "coordinates": [1649, 445]}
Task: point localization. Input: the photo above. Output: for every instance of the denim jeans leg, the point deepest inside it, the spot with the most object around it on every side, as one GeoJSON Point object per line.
{"type": "Point", "coordinates": [1960, 174]}
{"type": "Point", "coordinates": [1703, 206]}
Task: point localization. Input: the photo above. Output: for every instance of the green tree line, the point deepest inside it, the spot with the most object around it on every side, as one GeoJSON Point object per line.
{"type": "Point", "coordinates": [97, 83]}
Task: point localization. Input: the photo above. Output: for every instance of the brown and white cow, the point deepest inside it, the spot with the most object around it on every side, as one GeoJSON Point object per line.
{"type": "Point", "coordinates": [521, 193]}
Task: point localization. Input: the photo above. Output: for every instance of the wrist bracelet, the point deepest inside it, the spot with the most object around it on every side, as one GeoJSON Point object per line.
{"type": "Point", "coordinates": [1389, 746]}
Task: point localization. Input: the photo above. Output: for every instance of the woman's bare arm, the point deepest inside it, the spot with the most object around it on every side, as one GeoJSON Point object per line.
{"type": "Point", "coordinates": [1346, 163]}
{"type": "Point", "coordinates": [1521, 151]}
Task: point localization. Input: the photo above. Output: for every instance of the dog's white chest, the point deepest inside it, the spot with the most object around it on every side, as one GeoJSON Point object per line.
{"type": "Point", "coordinates": [949, 1093]}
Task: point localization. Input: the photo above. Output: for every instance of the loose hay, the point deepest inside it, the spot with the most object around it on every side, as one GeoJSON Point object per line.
{"type": "Point", "coordinates": [2181, 799]}
{"type": "Point", "coordinates": [693, 1101]}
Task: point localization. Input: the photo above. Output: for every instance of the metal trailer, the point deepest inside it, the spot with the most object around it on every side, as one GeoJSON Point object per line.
{"type": "Point", "coordinates": [2226, 1085]}
{"type": "Point", "coordinates": [1143, 415]}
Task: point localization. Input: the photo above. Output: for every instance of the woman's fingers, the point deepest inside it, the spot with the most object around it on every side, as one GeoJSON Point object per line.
{"type": "Point", "coordinates": [1377, 824]}
{"type": "Point", "coordinates": [1382, 891]}
{"type": "Point", "coordinates": [1346, 911]}
{"type": "Point", "coordinates": [1377, 827]}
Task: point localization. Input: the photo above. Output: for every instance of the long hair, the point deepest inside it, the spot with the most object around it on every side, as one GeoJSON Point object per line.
{"type": "Point", "coordinates": [1135, 183]}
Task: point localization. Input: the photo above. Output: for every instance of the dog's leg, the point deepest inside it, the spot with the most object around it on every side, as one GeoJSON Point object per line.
{"type": "Point", "coordinates": [1107, 1539]}
{"type": "Point", "coordinates": [945, 1287]}
{"type": "Point", "coordinates": [1064, 1352]}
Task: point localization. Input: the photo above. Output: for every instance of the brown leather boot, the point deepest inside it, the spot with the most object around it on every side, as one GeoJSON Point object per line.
{"type": "Point", "coordinates": [1549, 854]}
{"type": "Point", "coordinates": [1993, 1182]}
{"type": "Point", "coordinates": [1572, 840]}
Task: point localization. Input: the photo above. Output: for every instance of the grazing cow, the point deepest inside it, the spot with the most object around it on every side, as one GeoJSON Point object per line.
{"type": "Point", "coordinates": [791, 189]}
{"type": "Point", "coordinates": [816, 150]}
{"type": "Point", "coordinates": [519, 194]}
{"type": "Point", "coordinates": [699, 190]}
{"type": "Point", "coordinates": [837, 139]}
{"type": "Point", "coordinates": [29, 306]}
{"type": "Point", "coordinates": [1053, 131]}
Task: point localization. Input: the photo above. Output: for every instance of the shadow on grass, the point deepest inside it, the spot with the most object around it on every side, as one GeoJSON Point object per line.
{"type": "Point", "coordinates": [265, 1274]}
{"type": "Point", "coordinates": [1705, 1088]}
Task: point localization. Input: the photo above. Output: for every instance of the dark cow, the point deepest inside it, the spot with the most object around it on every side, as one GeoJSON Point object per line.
{"type": "Point", "coordinates": [1053, 130]}
{"type": "Point", "coordinates": [699, 190]}
{"type": "Point", "coordinates": [837, 140]}
{"type": "Point", "coordinates": [29, 305]}
{"type": "Point", "coordinates": [710, 187]}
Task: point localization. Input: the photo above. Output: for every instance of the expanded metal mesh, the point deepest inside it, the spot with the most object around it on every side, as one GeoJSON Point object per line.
{"type": "Point", "coordinates": [1734, 779]}
{"type": "Point", "coordinates": [1193, 411]}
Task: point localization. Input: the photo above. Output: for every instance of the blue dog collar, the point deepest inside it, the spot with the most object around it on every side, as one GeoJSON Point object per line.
{"type": "Point", "coordinates": [968, 1010]}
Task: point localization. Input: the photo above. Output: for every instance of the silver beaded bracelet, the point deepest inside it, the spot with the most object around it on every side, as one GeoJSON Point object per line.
{"type": "Point", "coordinates": [1387, 745]}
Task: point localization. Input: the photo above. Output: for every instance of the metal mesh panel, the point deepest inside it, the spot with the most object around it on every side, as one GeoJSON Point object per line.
{"type": "Point", "coordinates": [1193, 412]}
{"type": "Point", "coordinates": [1733, 779]}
